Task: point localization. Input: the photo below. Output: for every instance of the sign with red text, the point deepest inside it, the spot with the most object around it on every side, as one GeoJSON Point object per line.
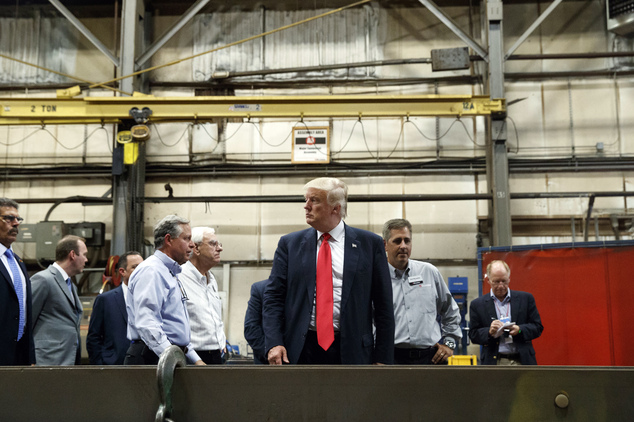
{"type": "Point", "coordinates": [311, 145]}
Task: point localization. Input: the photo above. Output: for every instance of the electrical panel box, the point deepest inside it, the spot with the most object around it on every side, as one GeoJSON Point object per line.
{"type": "Point", "coordinates": [94, 233]}
{"type": "Point", "coordinates": [458, 285]}
{"type": "Point", "coordinates": [47, 234]}
{"type": "Point", "coordinates": [450, 59]}
{"type": "Point", "coordinates": [26, 233]}
{"type": "Point", "coordinates": [620, 14]}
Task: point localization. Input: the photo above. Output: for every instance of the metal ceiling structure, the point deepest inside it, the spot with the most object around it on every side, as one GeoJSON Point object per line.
{"type": "Point", "coordinates": [131, 61]}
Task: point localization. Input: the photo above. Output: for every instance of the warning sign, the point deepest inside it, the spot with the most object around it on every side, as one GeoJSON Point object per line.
{"type": "Point", "coordinates": [311, 145]}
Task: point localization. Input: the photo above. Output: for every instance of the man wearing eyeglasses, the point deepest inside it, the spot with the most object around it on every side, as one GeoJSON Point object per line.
{"type": "Point", "coordinates": [57, 309]}
{"type": "Point", "coordinates": [204, 304]}
{"type": "Point", "coordinates": [16, 336]}
{"type": "Point", "coordinates": [157, 314]}
{"type": "Point", "coordinates": [505, 323]}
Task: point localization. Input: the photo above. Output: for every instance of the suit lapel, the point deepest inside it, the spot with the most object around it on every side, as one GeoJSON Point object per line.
{"type": "Point", "coordinates": [490, 307]}
{"type": "Point", "coordinates": [515, 307]}
{"type": "Point", "coordinates": [59, 279]}
{"type": "Point", "coordinates": [350, 261]}
{"type": "Point", "coordinates": [5, 273]}
{"type": "Point", "coordinates": [6, 276]}
{"type": "Point", "coordinates": [308, 253]}
{"type": "Point", "coordinates": [120, 299]}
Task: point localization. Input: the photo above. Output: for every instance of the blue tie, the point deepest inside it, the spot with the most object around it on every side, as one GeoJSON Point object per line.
{"type": "Point", "coordinates": [70, 287]}
{"type": "Point", "coordinates": [17, 284]}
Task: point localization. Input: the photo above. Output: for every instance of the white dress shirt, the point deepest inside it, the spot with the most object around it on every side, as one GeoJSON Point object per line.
{"type": "Point", "coordinates": [205, 309]}
{"type": "Point", "coordinates": [503, 311]}
{"type": "Point", "coordinates": [337, 246]}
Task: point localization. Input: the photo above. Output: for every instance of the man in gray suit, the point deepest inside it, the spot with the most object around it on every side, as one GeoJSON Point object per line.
{"type": "Point", "coordinates": [56, 307]}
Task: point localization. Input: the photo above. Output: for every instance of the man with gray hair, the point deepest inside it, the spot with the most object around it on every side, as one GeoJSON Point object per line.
{"type": "Point", "coordinates": [157, 315]}
{"type": "Point", "coordinates": [505, 323]}
{"type": "Point", "coordinates": [16, 335]}
{"type": "Point", "coordinates": [328, 285]}
{"type": "Point", "coordinates": [420, 296]}
{"type": "Point", "coordinates": [204, 304]}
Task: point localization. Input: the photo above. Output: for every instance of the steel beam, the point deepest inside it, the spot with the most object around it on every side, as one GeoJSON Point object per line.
{"type": "Point", "coordinates": [36, 111]}
{"type": "Point", "coordinates": [449, 23]}
{"type": "Point", "coordinates": [531, 28]}
{"type": "Point", "coordinates": [182, 21]}
{"type": "Point", "coordinates": [328, 393]}
{"type": "Point", "coordinates": [497, 165]}
{"type": "Point", "coordinates": [85, 31]}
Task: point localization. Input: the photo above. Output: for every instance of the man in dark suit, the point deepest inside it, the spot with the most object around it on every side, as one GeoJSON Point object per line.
{"type": "Point", "coordinates": [319, 306]}
{"type": "Point", "coordinates": [504, 322]}
{"type": "Point", "coordinates": [57, 310]}
{"type": "Point", "coordinates": [107, 340]}
{"type": "Point", "coordinates": [253, 331]}
{"type": "Point", "coordinates": [16, 335]}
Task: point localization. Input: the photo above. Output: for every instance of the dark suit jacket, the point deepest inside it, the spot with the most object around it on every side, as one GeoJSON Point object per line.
{"type": "Point", "coordinates": [56, 318]}
{"type": "Point", "coordinates": [107, 340]}
{"type": "Point", "coordinates": [253, 331]}
{"type": "Point", "coordinates": [523, 312]}
{"type": "Point", "coordinates": [366, 292]}
{"type": "Point", "coordinates": [9, 316]}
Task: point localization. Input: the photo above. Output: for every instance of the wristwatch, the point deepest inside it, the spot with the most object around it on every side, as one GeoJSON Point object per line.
{"type": "Point", "coordinates": [449, 342]}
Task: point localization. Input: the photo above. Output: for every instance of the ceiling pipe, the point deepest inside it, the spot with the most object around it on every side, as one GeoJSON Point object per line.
{"type": "Point", "coordinates": [85, 200]}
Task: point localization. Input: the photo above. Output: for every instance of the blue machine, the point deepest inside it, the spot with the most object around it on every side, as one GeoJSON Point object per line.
{"type": "Point", "coordinates": [459, 288]}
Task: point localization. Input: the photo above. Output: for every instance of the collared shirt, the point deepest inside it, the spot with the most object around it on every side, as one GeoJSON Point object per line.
{"type": "Point", "coordinates": [204, 307]}
{"type": "Point", "coordinates": [337, 246]}
{"type": "Point", "coordinates": [419, 295]}
{"type": "Point", "coordinates": [157, 313]}
{"type": "Point", "coordinates": [503, 310]}
{"type": "Point", "coordinates": [61, 271]}
{"type": "Point", "coordinates": [124, 287]}
{"type": "Point", "coordinates": [3, 258]}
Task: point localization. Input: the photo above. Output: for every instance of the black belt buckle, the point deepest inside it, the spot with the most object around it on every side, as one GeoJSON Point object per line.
{"type": "Point", "coordinates": [510, 356]}
{"type": "Point", "coordinates": [415, 353]}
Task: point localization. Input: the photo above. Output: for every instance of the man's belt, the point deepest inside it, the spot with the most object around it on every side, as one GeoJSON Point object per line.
{"type": "Point", "coordinates": [139, 341]}
{"type": "Point", "coordinates": [414, 353]}
{"type": "Point", "coordinates": [510, 356]}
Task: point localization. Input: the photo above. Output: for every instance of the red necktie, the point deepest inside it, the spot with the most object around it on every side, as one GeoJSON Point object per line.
{"type": "Point", "coordinates": [324, 302]}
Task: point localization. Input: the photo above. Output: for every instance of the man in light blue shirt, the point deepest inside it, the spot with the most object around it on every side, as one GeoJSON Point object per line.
{"type": "Point", "coordinates": [420, 295]}
{"type": "Point", "coordinates": [157, 315]}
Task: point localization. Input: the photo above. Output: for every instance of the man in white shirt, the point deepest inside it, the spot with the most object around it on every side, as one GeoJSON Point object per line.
{"type": "Point", "coordinates": [204, 305]}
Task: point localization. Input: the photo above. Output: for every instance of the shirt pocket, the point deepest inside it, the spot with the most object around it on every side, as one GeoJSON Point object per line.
{"type": "Point", "coordinates": [423, 297]}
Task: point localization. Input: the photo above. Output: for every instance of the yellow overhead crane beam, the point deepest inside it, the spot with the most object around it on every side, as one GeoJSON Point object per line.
{"type": "Point", "coordinates": [102, 110]}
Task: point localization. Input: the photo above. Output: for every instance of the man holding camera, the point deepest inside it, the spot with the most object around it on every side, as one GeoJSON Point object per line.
{"type": "Point", "coordinates": [504, 323]}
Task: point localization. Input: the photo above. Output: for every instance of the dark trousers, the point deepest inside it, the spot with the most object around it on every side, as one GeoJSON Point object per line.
{"type": "Point", "coordinates": [313, 354]}
{"type": "Point", "coordinates": [210, 357]}
{"type": "Point", "coordinates": [415, 356]}
{"type": "Point", "coordinates": [139, 354]}
{"type": "Point", "coordinates": [22, 351]}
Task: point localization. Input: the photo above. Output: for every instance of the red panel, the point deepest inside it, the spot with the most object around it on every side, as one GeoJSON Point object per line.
{"type": "Point", "coordinates": [621, 288]}
{"type": "Point", "coordinates": [583, 296]}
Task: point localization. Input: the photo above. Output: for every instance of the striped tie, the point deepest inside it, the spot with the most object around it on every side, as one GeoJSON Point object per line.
{"type": "Point", "coordinates": [19, 291]}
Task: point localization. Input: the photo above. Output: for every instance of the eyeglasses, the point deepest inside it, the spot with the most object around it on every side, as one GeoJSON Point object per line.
{"type": "Point", "coordinates": [11, 218]}
{"type": "Point", "coordinates": [498, 281]}
{"type": "Point", "coordinates": [215, 244]}
{"type": "Point", "coordinates": [212, 243]}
